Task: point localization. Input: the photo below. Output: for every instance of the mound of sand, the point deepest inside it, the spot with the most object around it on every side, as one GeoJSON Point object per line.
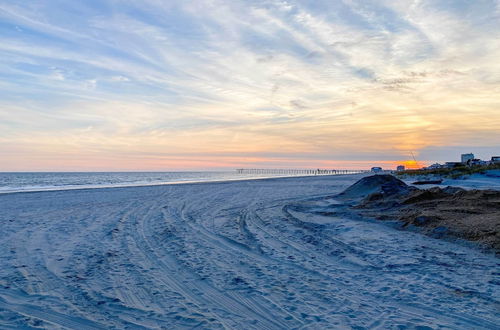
{"type": "Point", "coordinates": [469, 214]}
{"type": "Point", "coordinates": [384, 185]}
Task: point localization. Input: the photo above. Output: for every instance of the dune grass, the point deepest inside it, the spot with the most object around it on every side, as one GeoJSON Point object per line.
{"type": "Point", "coordinates": [453, 173]}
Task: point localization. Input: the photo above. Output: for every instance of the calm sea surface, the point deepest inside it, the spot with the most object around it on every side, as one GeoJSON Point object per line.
{"type": "Point", "coordinates": [38, 181]}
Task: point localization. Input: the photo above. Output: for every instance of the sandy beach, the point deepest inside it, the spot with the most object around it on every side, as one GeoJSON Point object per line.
{"type": "Point", "coordinates": [243, 254]}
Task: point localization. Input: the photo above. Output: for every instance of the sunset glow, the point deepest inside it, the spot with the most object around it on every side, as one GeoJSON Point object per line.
{"type": "Point", "coordinates": [184, 85]}
{"type": "Point", "coordinates": [410, 164]}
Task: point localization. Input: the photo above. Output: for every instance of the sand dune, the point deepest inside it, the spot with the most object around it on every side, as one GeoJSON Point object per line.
{"type": "Point", "coordinates": [438, 211]}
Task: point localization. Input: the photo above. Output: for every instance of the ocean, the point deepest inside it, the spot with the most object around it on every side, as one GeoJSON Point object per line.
{"type": "Point", "coordinates": [41, 181]}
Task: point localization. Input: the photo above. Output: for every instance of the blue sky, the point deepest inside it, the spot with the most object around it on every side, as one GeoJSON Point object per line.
{"type": "Point", "coordinates": [131, 85]}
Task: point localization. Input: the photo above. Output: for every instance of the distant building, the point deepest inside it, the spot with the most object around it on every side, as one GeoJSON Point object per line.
{"type": "Point", "coordinates": [400, 168]}
{"type": "Point", "coordinates": [476, 162]}
{"type": "Point", "coordinates": [434, 166]}
{"type": "Point", "coordinates": [467, 157]}
{"type": "Point", "coordinates": [376, 169]}
{"type": "Point", "coordinates": [495, 159]}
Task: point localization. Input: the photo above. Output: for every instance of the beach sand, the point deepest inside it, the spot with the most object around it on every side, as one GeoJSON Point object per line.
{"type": "Point", "coordinates": [248, 255]}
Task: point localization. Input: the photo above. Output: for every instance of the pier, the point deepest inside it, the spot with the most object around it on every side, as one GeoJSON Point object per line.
{"type": "Point", "coordinates": [297, 171]}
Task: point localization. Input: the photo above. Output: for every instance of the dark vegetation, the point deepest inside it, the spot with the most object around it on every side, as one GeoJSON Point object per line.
{"type": "Point", "coordinates": [452, 173]}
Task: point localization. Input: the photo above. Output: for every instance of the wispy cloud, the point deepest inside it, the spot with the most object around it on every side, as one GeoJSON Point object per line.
{"type": "Point", "coordinates": [273, 80]}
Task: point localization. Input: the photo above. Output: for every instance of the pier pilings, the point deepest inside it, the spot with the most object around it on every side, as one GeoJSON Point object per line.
{"type": "Point", "coordinates": [297, 171]}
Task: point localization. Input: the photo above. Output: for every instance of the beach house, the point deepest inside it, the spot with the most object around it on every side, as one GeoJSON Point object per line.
{"type": "Point", "coordinates": [476, 162]}
{"type": "Point", "coordinates": [467, 157]}
{"type": "Point", "coordinates": [434, 166]}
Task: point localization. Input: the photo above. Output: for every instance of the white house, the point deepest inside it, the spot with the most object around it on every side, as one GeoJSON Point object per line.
{"type": "Point", "coordinates": [434, 166]}
{"type": "Point", "coordinates": [467, 157]}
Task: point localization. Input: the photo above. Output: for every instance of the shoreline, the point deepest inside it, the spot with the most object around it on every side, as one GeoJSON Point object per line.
{"type": "Point", "coordinates": [367, 210]}
{"type": "Point", "coordinates": [72, 188]}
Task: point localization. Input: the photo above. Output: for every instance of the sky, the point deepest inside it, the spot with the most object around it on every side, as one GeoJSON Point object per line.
{"type": "Point", "coordinates": [108, 85]}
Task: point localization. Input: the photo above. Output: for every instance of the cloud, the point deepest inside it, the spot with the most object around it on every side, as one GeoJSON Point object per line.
{"type": "Point", "coordinates": [119, 79]}
{"type": "Point", "coordinates": [218, 77]}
